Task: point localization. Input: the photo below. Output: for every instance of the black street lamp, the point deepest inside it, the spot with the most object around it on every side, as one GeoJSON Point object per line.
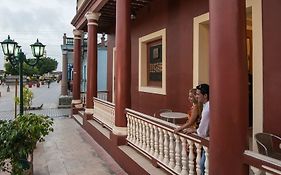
{"type": "Point", "coordinates": [14, 54]}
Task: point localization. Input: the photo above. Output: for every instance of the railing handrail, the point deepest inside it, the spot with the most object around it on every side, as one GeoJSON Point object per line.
{"type": "Point", "coordinates": [106, 103]}
{"type": "Point", "coordinates": [262, 162]}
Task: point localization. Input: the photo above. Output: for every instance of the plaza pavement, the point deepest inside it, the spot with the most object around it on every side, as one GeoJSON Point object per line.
{"type": "Point", "coordinates": [69, 150]}
{"type": "Point", "coordinates": [42, 95]}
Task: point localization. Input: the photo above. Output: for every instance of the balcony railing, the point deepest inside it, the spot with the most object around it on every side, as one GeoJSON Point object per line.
{"type": "Point", "coordinates": [104, 113]}
{"type": "Point", "coordinates": [155, 138]}
{"type": "Point", "coordinates": [69, 41]}
{"type": "Point", "coordinates": [101, 95]}
{"type": "Point", "coordinates": [176, 153]}
{"type": "Point", "coordinates": [261, 164]}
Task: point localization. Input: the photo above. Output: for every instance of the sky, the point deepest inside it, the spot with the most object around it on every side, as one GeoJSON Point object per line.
{"type": "Point", "coordinates": [27, 20]}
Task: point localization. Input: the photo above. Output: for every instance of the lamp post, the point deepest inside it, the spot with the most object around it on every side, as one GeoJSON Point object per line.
{"type": "Point", "coordinates": [15, 56]}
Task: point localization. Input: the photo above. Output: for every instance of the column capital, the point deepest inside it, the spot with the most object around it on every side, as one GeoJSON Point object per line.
{"type": "Point", "coordinates": [92, 18]}
{"type": "Point", "coordinates": [77, 33]}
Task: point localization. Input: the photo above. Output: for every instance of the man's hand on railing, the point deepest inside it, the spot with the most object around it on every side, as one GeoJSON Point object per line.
{"type": "Point", "coordinates": [177, 130]}
{"type": "Point", "coordinates": [185, 131]}
{"type": "Point", "coordinates": [189, 130]}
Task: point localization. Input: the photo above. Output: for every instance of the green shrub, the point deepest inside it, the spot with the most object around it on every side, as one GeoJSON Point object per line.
{"type": "Point", "coordinates": [27, 98]}
{"type": "Point", "coordinates": [18, 139]}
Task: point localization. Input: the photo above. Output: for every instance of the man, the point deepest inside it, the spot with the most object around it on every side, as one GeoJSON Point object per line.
{"type": "Point", "coordinates": [202, 95]}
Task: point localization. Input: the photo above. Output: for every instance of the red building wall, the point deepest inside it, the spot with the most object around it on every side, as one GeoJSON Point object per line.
{"type": "Point", "coordinates": [177, 18]}
{"type": "Point", "coordinates": [272, 65]}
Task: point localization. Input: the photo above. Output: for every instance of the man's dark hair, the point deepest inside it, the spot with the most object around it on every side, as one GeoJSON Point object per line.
{"type": "Point", "coordinates": [204, 89]}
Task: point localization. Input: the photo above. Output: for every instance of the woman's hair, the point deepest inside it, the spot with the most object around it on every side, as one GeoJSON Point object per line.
{"type": "Point", "coordinates": [199, 105]}
{"type": "Point", "coordinates": [193, 92]}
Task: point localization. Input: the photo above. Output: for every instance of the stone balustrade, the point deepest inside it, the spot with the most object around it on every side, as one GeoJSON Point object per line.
{"type": "Point", "coordinates": [155, 138]}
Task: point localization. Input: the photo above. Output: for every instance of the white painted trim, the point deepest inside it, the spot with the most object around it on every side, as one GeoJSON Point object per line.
{"type": "Point", "coordinates": [89, 110]}
{"type": "Point", "coordinates": [77, 32]}
{"type": "Point", "coordinates": [271, 169]}
{"type": "Point", "coordinates": [92, 16]}
{"type": "Point", "coordinates": [257, 67]}
{"type": "Point", "coordinates": [77, 37]}
{"type": "Point", "coordinates": [264, 158]}
{"type": "Point", "coordinates": [120, 131]}
{"type": "Point", "coordinates": [92, 23]}
{"type": "Point", "coordinates": [113, 74]}
{"type": "Point", "coordinates": [197, 21]}
{"type": "Point", "coordinates": [161, 34]}
{"type": "Point", "coordinates": [75, 102]}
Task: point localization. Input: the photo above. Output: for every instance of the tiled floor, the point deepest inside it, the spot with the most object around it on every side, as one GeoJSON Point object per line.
{"type": "Point", "coordinates": [71, 151]}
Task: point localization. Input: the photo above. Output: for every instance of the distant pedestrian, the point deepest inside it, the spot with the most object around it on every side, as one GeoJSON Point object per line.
{"type": "Point", "coordinates": [49, 82]}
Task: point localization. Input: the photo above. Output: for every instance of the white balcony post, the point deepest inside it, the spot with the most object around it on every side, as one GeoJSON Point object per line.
{"type": "Point", "coordinates": [191, 157]}
{"type": "Point", "coordinates": [184, 157]}
{"type": "Point", "coordinates": [177, 154]}
{"type": "Point", "coordinates": [198, 158]}
{"type": "Point", "coordinates": [151, 152]}
{"type": "Point", "coordinates": [161, 144]}
{"type": "Point", "coordinates": [166, 150]}
{"type": "Point", "coordinates": [172, 152]}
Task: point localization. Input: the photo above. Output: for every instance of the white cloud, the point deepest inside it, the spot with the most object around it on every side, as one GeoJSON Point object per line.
{"type": "Point", "coordinates": [27, 20]}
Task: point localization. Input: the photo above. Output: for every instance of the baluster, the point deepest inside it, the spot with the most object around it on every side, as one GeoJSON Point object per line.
{"type": "Point", "coordinates": [198, 157]}
{"type": "Point", "coordinates": [161, 143]}
{"type": "Point", "coordinates": [141, 134]}
{"type": "Point", "coordinates": [177, 154]}
{"type": "Point", "coordinates": [147, 149]}
{"type": "Point", "coordinates": [151, 152]}
{"type": "Point", "coordinates": [134, 133]}
{"type": "Point", "coordinates": [256, 171]}
{"type": "Point", "coordinates": [172, 151]}
{"type": "Point", "coordinates": [156, 143]}
{"type": "Point", "coordinates": [166, 150]}
{"type": "Point", "coordinates": [137, 132]}
{"type": "Point", "coordinates": [132, 129]}
{"type": "Point", "coordinates": [183, 157]}
{"type": "Point", "coordinates": [206, 160]}
{"type": "Point", "coordinates": [129, 127]}
{"type": "Point", "coordinates": [191, 157]}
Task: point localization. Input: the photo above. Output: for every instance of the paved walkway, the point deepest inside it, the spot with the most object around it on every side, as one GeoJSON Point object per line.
{"type": "Point", "coordinates": [42, 95]}
{"type": "Point", "coordinates": [69, 150]}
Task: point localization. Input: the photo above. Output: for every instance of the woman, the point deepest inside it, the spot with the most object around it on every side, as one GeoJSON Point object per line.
{"type": "Point", "coordinates": [193, 114]}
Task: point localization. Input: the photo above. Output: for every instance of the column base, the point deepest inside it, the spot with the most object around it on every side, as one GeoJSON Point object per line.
{"type": "Point", "coordinates": [88, 116]}
{"type": "Point", "coordinates": [89, 113]}
{"type": "Point", "coordinates": [118, 140]}
{"type": "Point", "coordinates": [76, 106]}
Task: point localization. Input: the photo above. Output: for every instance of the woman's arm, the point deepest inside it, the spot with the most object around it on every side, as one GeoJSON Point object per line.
{"type": "Point", "coordinates": [182, 126]}
{"type": "Point", "coordinates": [193, 117]}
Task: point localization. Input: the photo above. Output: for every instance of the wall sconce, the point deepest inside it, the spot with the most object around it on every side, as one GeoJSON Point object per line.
{"type": "Point", "coordinates": [133, 15]}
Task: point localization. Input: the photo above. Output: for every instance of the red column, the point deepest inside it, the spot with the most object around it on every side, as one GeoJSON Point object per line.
{"type": "Point", "coordinates": [123, 66]}
{"type": "Point", "coordinates": [91, 61]}
{"type": "Point", "coordinates": [76, 66]}
{"type": "Point", "coordinates": [228, 87]}
{"type": "Point", "coordinates": [64, 74]}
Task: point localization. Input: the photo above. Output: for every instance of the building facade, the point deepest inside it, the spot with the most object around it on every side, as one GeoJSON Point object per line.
{"type": "Point", "coordinates": [157, 51]}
